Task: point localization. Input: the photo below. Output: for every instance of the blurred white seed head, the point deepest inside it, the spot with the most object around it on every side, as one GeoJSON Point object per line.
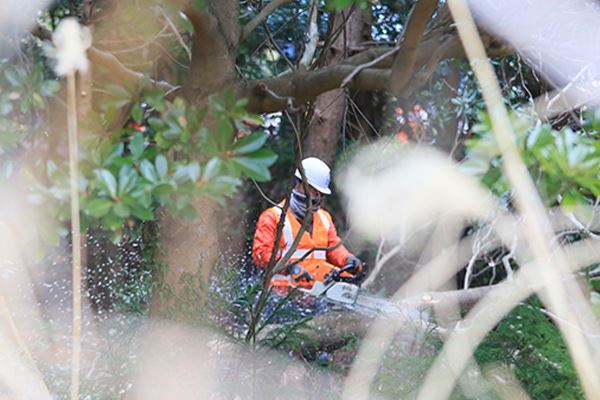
{"type": "Point", "coordinates": [393, 192]}
{"type": "Point", "coordinates": [17, 17]}
{"type": "Point", "coordinates": [70, 41]}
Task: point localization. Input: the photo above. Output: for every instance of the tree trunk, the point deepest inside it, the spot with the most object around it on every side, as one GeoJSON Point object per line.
{"type": "Point", "coordinates": [449, 139]}
{"type": "Point", "coordinates": [192, 247]}
{"type": "Point", "coordinates": [325, 128]}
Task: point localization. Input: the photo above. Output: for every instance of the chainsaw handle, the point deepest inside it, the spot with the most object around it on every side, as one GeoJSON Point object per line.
{"type": "Point", "coordinates": [336, 274]}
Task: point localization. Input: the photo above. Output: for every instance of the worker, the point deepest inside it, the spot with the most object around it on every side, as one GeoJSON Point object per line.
{"type": "Point", "coordinates": [326, 255]}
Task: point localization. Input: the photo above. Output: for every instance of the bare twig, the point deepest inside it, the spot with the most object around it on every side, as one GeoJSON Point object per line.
{"type": "Point", "coordinates": [264, 196]}
{"type": "Point", "coordinates": [261, 17]}
{"type": "Point", "coordinates": [369, 64]}
{"type": "Point", "coordinates": [177, 35]}
{"type": "Point", "coordinates": [379, 265]}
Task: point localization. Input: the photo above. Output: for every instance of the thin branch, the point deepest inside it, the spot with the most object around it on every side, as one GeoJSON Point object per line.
{"type": "Point", "coordinates": [177, 34]}
{"type": "Point", "coordinates": [273, 43]}
{"type": "Point", "coordinates": [263, 194]}
{"type": "Point", "coordinates": [404, 62]}
{"type": "Point", "coordinates": [261, 17]}
{"type": "Point", "coordinates": [368, 65]}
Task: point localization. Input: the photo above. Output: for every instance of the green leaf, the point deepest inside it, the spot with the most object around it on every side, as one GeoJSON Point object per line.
{"type": "Point", "coordinates": [112, 222]}
{"type": "Point", "coordinates": [224, 132]}
{"type": "Point", "coordinates": [223, 185]}
{"type": "Point", "coordinates": [185, 23]}
{"type": "Point", "coordinates": [127, 179]}
{"type": "Point", "coordinates": [49, 88]}
{"type": "Point", "coordinates": [199, 4]}
{"type": "Point", "coordinates": [162, 165]}
{"type": "Point", "coordinates": [121, 210]}
{"type": "Point", "coordinates": [211, 169]}
{"type": "Point", "coordinates": [142, 213]}
{"type": "Point", "coordinates": [148, 171]}
{"type": "Point", "coordinates": [340, 4]}
{"type": "Point", "coordinates": [136, 145]}
{"type": "Point", "coordinates": [252, 169]}
{"type": "Point", "coordinates": [250, 143]}
{"type": "Point", "coordinates": [98, 208]}
{"type": "Point", "coordinates": [571, 199]}
{"type": "Point", "coordinates": [112, 152]}
{"type": "Point", "coordinates": [189, 172]}
{"type": "Point", "coordinates": [256, 165]}
{"type": "Point", "coordinates": [107, 181]}
{"type": "Point", "coordinates": [137, 113]}
{"type": "Point", "coordinates": [163, 189]}
{"type": "Point", "coordinates": [37, 100]}
{"type": "Point", "coordinates": [182, 201]}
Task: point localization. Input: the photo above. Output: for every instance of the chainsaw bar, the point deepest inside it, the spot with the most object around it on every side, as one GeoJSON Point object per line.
{"type": "Point", "coordinates": [348, 296]}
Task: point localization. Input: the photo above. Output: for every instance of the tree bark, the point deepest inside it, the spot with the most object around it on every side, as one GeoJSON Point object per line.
{"type": "Point", "coordinates": [325, 127]}
{"type": "Point", "coordinates": [185, 246]}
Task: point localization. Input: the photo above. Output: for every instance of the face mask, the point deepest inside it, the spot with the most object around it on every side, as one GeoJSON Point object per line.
{"type": "Point", "coordinates": [298, 204]}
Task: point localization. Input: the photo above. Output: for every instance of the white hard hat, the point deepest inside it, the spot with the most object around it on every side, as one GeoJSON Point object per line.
{"type": "Point", "coordinates": [317, 174]}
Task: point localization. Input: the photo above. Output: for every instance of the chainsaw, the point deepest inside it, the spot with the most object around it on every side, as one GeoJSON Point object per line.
{"type": "Point", "coordinates": [340, 290]}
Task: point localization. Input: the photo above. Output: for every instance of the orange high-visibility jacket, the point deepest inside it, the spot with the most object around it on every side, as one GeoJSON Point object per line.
{"type": "Point", "coordinates": [323, 234]}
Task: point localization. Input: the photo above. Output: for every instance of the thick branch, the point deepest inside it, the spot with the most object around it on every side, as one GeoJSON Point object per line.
{"type": "Point", "coordinates": [404, 62]}
{"type": "Point", "coordinates": [262, 16]}
{"type": "Point", "coordinates": [110, 62]}
{"type": "Point", "coordinates": [450, 46]}
{"type": "Point", "coordinates": [122, 73]}
{"type": "Point", "coordinates": [295, 88]}
{"type": "Point", "coordinates": [213, 49]}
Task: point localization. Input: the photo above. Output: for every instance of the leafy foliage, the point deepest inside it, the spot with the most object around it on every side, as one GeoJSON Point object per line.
{"type": "Point", "coordinates": [165, 157]}
{"type": "Point", "coordinates": [23, 94]}
{"type": "Point", "coordinates": [564, 163]}
{"type": "Point", "coordinates": [533, 348]}
{"type": "Point", "coordinates": [340, 4]}
{"type": "Point", "coordinates": [280, 310]}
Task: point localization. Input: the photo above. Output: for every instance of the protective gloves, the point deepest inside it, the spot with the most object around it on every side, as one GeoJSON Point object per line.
{"type": "Point", "coordinates": [299, 275]}
{"type": "Point", "coordinates": [358, 267]}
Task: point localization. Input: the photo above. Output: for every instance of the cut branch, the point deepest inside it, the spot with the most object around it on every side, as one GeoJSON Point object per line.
{"type": "Point", "coordinates": [404, 62]}
{"type": "Point", "coordinates": [313, 36]}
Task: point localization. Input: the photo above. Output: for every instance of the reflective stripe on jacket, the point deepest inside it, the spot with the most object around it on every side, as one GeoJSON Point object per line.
{"type": "Point", "coordinates": [323, 234]}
